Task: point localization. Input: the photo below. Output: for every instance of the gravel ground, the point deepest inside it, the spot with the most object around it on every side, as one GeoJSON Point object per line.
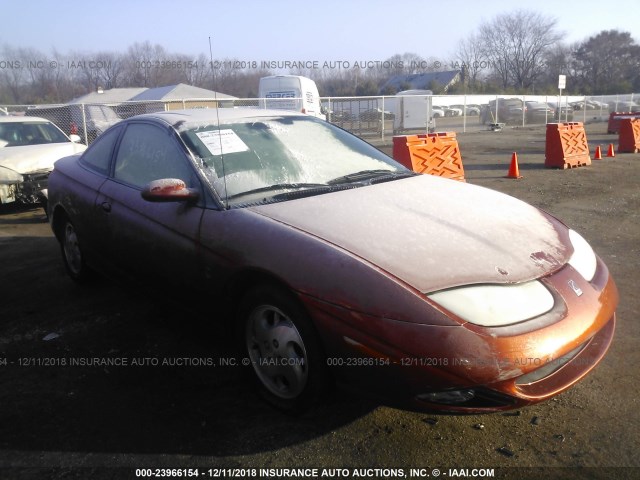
{"type": "Point", "coordinates": [64, 421]}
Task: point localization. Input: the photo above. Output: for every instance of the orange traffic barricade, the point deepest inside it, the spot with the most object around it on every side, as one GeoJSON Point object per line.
{"type": "Point", "coordinates": [616, 117]}
{"type": "Point", "coordinates": [439, 155]}
{"type": "Point", "coordinates": [431, 153]}
{"type": "Point", "coordinates": [566, 145]}
{"type": "Point", "coordinates": [629, 135]}
{"type": "Point", "coordinates": [401, 148]}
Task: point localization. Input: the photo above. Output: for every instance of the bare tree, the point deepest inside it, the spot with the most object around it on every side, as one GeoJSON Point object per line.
{"type": "Point", "coordinates": [402, 64]}
{"type": "Point", "coordinates": [111, 67]}
{"type": "Point", "coordinates": [144, 65]}
{"type": "Point", "coordinates": [470, 58]}
{"type": "Point", "coordinates": [338, 83]}
{"type": "Point", "coordinates": [559, 61]}
{"type": "Point", "coordinates": [14, 74]}
{"type": "Point", "coordinates": [235, 77]}
{"type": "Point", "coordinates": [516, 44]}
{"type": "Point", "coordinates": [84, 71]}
{"type": "Point", "coordinates": [200, 74]}
{"type": "Point", "coordinates": [64, 88]}
{"type": "Point", "coordinates": [192, 70]}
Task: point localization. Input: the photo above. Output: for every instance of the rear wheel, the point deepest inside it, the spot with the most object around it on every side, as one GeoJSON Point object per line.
{"type": "Point", "coordinates": [283, 348]}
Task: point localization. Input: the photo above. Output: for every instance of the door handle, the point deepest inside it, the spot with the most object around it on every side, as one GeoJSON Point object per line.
{"type": "Point", "coordinates": [106, 206]}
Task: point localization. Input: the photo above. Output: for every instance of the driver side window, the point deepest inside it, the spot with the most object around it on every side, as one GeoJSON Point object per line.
{"type": "Point", "coordinates": [149, 153]}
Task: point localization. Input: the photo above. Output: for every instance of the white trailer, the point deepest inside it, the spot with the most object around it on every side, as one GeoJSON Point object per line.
{"type": "Point", "coordinates": [413, 110]}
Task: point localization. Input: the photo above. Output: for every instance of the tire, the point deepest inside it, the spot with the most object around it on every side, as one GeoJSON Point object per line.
{"type": "Point", "coordinates": [72, 256]}
{"type": "Point", "coordinates": [277, 336]}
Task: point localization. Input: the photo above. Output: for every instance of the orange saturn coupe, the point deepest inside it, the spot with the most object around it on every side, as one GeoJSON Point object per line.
{"type": "Point", "coordinates": [333, 264]}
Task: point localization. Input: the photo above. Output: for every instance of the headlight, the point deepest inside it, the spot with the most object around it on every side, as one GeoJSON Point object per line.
{"type": "Point", "coordinates": [583, 258]}
{"type": "Point", "coordinates": [9, 177]}
{"type": "Point", "coordinates": [496, 305]}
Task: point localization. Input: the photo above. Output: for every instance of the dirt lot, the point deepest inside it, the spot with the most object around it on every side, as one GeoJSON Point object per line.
{"type": "Point", "coordinates": [64, 421]}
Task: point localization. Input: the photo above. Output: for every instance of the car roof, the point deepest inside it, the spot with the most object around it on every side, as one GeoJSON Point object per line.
{"type": "Point", "coordinates": [20, 119]}
{"type": "Point", "coordinates": [197, 116]}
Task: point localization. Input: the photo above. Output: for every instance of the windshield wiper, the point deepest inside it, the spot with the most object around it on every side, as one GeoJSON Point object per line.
{"type": "Point", "coordinates": [370, 174]}
{"type": "Point", "coordinates": [280, 186]}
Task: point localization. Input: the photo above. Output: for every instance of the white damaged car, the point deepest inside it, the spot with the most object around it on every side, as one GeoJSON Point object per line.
{"type": "Point", "coordinates": [29, 146]}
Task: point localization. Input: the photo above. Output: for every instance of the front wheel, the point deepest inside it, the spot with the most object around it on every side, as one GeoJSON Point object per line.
{"type": "Point", "coordinates": [72, 254]}
{"type": "Point", "coordinates": [283, 348]}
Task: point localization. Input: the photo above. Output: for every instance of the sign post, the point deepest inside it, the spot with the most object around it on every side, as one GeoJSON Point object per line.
{"type": "Point", "coordinates": [562, 83]}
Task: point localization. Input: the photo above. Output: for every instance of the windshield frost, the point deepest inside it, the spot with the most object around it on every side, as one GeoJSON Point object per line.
{"type": "Point", "coordinates": [255, 153]}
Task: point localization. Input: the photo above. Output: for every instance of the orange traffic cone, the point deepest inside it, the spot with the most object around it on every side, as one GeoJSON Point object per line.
{"type": "Point", "coordinates": [514, 172]}
{"type": "Point", "coordinates": [610, 152]}
{"type": "Point", "coordinates": [598, 155]}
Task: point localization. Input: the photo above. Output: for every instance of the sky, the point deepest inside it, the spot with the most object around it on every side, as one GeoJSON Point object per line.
{"type": "Point", "coordinates": [281, 30]}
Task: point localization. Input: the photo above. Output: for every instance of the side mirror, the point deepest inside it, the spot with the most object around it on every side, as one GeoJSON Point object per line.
{"type": "Point", "coordinates": [169, 190]}
{"type": "Point", "coordinates": [75, 138]}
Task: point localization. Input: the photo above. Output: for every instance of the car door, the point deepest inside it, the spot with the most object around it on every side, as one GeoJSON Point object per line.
{"type": "Point", "coordinates": [83, 192]}
{"type": "Point", "coordinates": [156, 240]}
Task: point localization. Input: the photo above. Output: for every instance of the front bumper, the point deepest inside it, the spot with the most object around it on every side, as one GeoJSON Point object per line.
{"type": "Point", "coordinates": [29, 191]}
{"type": "Point", "coordinates": [549, 379]}
{"type": "Point", "coordinates": [470, 369]}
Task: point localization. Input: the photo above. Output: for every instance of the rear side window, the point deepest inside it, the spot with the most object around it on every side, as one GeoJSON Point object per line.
{"type": "Point", "coordinates": [98, 156]}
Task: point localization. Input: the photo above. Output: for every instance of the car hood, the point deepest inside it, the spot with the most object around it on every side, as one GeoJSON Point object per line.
{"type": "Point", "coordinates": [433, 233]}
{"type": "Point", "coordinates": [31, 158]}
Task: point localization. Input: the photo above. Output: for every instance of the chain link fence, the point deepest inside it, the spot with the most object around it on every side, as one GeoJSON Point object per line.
{"type": "Point", "coordinates": [375, 119]}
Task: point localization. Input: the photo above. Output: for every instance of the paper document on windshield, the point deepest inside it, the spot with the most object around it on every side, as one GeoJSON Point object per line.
{"type": "Point", "coordinates": [220, 142]}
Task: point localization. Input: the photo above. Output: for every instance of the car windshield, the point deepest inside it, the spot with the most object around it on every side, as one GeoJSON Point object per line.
{"type": "Point", "coordinates": [19, 134]}
{"type": "Point", "coordinates": [101, 112]}
{"type": "Point", "coordinates": [252, 158]}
